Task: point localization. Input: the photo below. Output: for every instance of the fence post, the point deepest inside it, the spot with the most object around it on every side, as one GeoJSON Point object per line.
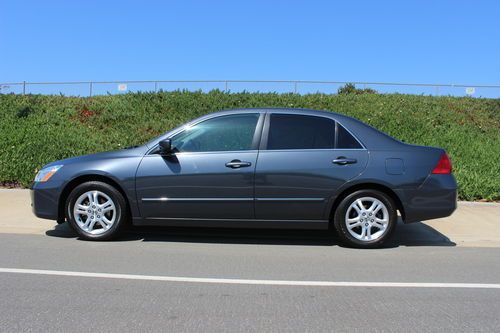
{"type": "Point", "coordinates": [225, 85]}
{"type": "Point", "coordinates": [24, 87]}
{"type": "Point", "coordinates": [156, 86]}
{"type": "Point", "coordinates": [90, 88]}
{"type": "Point", "coordinates": [295, 87]}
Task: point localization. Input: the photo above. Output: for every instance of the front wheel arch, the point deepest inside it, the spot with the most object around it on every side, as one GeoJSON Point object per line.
{"type": "Point", "coordinates": [61, 216]}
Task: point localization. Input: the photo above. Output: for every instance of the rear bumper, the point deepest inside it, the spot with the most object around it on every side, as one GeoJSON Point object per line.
{"type": "Point", "coordinates": [44, 201]}
{"type": "Point", "coordinates": [435, 198]}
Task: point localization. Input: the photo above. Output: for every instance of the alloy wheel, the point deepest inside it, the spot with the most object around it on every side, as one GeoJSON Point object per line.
{"type": "Point", "coordinates": [367, 219]}
{"type": "Point", "coordinates": [94, 212]}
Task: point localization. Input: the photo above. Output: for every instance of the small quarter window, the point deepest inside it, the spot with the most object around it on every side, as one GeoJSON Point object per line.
{"type": "Point", "coordinates": [345, 140]}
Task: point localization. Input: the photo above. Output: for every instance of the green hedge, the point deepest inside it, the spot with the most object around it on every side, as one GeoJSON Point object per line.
{"type": "Point", "coordinates": [37, 129]}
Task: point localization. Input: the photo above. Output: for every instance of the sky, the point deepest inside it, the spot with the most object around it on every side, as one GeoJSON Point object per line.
{"type": "Point", "coordinates": [385, 41]}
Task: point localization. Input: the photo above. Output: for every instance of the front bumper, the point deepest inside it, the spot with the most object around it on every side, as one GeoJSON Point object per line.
{"type": "Point", "coordinates": [435, 198]}
{"type": "Point", "coordinates": [45, 200]}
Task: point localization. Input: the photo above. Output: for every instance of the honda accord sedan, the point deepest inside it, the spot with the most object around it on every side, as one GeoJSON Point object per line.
{"type": "Point", "coordinates": [254, 168]}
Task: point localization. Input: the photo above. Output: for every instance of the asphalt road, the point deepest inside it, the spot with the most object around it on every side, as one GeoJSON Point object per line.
{"type": "Point", "coordinates": [58, 302]}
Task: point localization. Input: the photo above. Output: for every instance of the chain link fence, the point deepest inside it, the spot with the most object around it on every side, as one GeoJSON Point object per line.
{"type": "Point", "coordinates": [92, 88]}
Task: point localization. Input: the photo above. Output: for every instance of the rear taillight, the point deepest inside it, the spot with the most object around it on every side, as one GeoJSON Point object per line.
{"type": "Point", "coordinates": [443, 166]}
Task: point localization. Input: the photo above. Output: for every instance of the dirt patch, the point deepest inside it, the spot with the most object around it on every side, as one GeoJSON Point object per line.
{"type": "Point", "coordinates": [85, 114]}
{"type": "Point", "coordinates": [10, 184]}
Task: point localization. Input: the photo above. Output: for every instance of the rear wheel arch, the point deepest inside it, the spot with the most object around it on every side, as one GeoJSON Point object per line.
{"type": "Point", "coordinates": [367, 186]}
{"type": "Point", "coordinates": [83, 179]}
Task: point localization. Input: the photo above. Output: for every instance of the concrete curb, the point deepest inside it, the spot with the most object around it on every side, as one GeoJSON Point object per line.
{"type": "Point", "coordinates": [479, 203]}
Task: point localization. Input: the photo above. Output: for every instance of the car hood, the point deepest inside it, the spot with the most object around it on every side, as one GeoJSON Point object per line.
{"type": "Point", "coordinates": [126, 152]}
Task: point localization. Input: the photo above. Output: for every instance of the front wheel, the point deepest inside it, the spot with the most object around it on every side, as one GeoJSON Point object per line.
{"type": "Point", "coordinates": [365, 218]}
{"type": "Point", "coordinates": [96, 210]}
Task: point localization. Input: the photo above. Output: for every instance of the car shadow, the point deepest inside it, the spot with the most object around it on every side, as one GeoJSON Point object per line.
{"type": "Point", "coordinates": [415, 234]}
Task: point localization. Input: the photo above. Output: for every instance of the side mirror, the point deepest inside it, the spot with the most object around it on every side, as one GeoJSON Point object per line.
{"type": "Point", "coordinates": [165, 147]}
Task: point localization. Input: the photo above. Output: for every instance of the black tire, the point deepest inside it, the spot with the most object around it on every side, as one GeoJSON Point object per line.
{"type": "Point", "coordinates": [339, 219]}
{"type": "Point", "coordinates": [119, 201]}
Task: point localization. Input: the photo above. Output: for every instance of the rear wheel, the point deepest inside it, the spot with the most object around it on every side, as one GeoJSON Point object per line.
{"type": "Point", "coordinates": [96, 210]}
{"type": "Point", "coordinates": [365, 218]}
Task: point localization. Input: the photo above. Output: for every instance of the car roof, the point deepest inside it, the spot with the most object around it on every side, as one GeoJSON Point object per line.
{"type": "Point", "coordinates": [278, 110]}
{"type": "Point", "coordinates": [300, 111]}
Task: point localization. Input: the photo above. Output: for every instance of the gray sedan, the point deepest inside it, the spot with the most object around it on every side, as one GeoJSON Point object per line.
{"type": "Point", "coordinates": [254, 168]}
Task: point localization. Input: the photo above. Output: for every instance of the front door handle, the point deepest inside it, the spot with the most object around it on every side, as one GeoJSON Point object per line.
{"type": "Point", "coordinates": [341, 160]}
{"type": "Point", "coordinates": [235, 164]}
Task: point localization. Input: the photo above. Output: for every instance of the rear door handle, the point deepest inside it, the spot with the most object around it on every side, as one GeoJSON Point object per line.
{"type": "Point", "coordinates": [235, 164]}
{"type": "Point", "coordinates": [341, 160]}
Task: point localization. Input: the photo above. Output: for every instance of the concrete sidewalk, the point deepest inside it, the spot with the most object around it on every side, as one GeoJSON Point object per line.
{"type": "Point", "coordinates": [473, 224]}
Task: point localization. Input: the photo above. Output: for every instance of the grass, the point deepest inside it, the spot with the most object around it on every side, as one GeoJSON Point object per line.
{"type": "Point", "coordinates": [37, 129]}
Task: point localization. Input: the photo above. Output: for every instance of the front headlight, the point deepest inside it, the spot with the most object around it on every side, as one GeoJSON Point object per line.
{"type": "Point", "coordinates": [45, 174]}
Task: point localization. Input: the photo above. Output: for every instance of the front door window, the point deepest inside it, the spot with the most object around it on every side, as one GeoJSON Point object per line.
{"type": "Point", "coordinates": [225, 133]}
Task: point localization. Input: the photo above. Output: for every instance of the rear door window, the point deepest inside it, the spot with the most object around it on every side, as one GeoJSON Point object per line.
{"type": "Point", "coordinates": [288, 131]}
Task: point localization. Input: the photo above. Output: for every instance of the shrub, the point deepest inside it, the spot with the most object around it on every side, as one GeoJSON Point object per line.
{"type": "Point", "coordinates": [350, 88]}
{"type": "Point", "coordinates": [37, 129]}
